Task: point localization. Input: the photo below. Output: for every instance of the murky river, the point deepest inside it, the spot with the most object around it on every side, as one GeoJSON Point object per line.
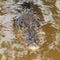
{"type": "Point", "coordinates": [12, 45]}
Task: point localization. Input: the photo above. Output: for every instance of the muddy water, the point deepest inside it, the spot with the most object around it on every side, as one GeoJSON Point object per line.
{"type": "Point", "coordinates": [12, 46]}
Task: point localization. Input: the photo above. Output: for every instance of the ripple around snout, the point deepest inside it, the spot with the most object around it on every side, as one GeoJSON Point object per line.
{"type": "Point", "coordinates": [33, 48]}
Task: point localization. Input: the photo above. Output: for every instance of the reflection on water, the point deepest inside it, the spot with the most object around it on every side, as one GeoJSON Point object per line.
{"type": "Point", "coordinates": [12, 46]}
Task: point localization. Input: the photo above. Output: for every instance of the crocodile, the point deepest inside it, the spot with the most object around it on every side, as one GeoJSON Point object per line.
{"type": "Point", "coordinates": [29, 23]}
